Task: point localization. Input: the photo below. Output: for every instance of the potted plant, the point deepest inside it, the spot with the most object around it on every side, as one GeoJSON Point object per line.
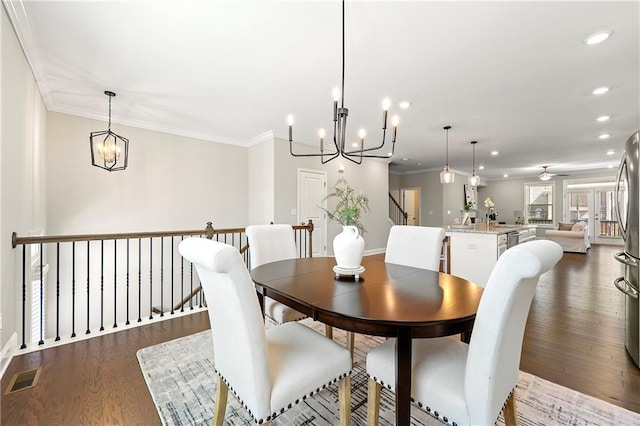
{"type": "Point", "coordinates": [467, 208]}
{"type": "Point", "coordinates": [348, 246]}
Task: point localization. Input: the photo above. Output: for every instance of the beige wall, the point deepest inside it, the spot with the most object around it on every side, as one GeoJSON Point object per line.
{"type": "Point", "coordinates": [261, 183]}
{"type": "Point", "coordinates": [431, 195]}
{"type": "Point", "coordinates": [172, 182]}
{"type": "Point", "coordinates": [22, 152]}
{"type": "Point", "coordinates": [371, 177]}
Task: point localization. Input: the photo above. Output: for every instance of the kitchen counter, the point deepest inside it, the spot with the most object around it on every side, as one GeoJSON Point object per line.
{"type": "Point", "coordinates": [475, 250]}
{"type": "Point", "coordinates": [483, 229]}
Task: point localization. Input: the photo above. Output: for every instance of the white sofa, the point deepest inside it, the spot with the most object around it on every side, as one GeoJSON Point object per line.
{"type": "Point", "coordinates": [572, 237]}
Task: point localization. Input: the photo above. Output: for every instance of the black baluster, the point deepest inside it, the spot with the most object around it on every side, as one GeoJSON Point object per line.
{"type": "Point", "coordinates": [115, 282]}
{"type": "Point", "coordinates": [73, 289]}
{"type": "Point", "coordinates": [41, 342]}
{"type": "Point", "coordinates": [161, 276]}
{"type": "Point", "coordinates": [88, 282]}
{"type": "Point", "coordinates": [173, 249]}
{"type": "Point", "coordinates": [191, 298]}
{"type": "Point", "coordinates": [24, 296]}
{"type": "Point", "coordinates": [101, 285]}
{"type": "Point", "coordinates": [181, 279]}
{"type": "Point", "coordinates": [150, 278]}
{"type": "Point", "coordinates": [57, 291]}
{"type": "Point", "coordinates": [127, 323]}
{"type": "Point", "coordinates": [139, 279]}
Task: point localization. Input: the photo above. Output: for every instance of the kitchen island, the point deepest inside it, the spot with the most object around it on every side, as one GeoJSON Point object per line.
{"type": "Point", "coordinates": [474, 250]}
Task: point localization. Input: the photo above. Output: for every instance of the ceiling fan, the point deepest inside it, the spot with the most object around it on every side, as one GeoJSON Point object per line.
{"type": "Point", "coordinates": [545, 175]}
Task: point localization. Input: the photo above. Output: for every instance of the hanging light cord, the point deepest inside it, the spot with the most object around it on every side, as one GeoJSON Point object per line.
{"type": "Point", "coordinates": [342, 88]}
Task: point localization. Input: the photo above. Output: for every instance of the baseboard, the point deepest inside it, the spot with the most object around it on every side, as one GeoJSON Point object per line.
{"type": "Point", "coordinates": [374, 251]}
{"type": "Point", "coordinates": [7, 353]}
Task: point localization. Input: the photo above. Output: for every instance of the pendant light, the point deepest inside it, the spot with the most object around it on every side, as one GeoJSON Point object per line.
{"type": "Point", "coordinates": [474, 180]}
{"type": "Point", "coordinates": [446, 175]}
{"type": "Point", "coordinates": [109, 151]}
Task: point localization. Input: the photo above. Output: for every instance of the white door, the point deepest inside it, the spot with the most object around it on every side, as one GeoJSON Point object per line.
{"type": "Point", "coordinates": [579, 207]}
{"type": "Point", "coordinates": [312, 190]}
{"type": "Point", "coordinates": [607, 228]}
{"type": "Point", "coordinates": [410, 199]}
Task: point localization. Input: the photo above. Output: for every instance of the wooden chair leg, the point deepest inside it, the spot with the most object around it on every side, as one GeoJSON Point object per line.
{"type": "Point", "coordinates": [220, 408]}
{"type": "Point", "coordinates": [344, 398]}
{"type": "Point", "coordinates": [328, 331]}
{"type": "Point", "coordinates": [350, 343]}
{"type": "Point", "coordinates": [509, 411]}
{"type": "Point", "coordinates": [373, 402]}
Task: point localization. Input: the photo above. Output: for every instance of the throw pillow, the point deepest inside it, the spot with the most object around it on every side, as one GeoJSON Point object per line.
{"type": "Point", "coordinates": [578, 226]}
{"type": "Point", "coordinates": [565, 226]}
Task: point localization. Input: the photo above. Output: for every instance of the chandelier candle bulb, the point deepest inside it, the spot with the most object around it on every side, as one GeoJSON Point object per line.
{"type": "Point", "coordinates": [321, 134]}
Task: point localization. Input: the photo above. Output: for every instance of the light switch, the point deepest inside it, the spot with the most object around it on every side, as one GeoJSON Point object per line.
{"type": "Point", "coordinates": [294, 212]}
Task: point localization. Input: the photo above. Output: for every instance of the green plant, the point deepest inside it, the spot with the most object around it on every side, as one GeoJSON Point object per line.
{"type": "Point", "coordinates": [349, 207]}
{"type": "Point", "coordinates": [468, 206]}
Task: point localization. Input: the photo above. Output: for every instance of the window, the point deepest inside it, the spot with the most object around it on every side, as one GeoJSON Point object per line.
{"type": "Point", "coordinates": [539, 202]}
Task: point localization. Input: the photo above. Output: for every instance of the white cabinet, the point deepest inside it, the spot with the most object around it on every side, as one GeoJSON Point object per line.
{"type": "Point", "coordinates": [473, 255]}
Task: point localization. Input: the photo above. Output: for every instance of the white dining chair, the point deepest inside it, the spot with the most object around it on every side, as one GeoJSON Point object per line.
{"type": "Point", "coordinates": [270, 243]}
{"type": "Point", "coordinates": [470, 384]}
{"type": "Point", "coordinates": [416, 246]}
{"type": "Point", "coordinates": [268, 370]}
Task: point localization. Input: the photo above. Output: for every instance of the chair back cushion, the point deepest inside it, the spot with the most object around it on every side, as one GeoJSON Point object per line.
{"type": "Point", "coordinates": [270, 243]}
{"type": "Point", "coordinates": [237, 327]}
{"type": "Point", "coordinates": [496, 342]}
{"type": "Point", "coordinates": [416, 246]}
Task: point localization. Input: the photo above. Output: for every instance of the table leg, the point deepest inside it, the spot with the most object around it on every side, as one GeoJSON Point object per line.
{"type": "Point", "coordinates": [403, 377]}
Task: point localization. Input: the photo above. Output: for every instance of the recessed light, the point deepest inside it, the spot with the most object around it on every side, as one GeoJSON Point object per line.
{"type": "Point", "coordinates": [405, 159]}
{"type": "Point", "coordinates": [610, 152]}
{"type": "Point", "coordinates": [494, 153]}
{"type": "Point", "coordinates": [419, 164]}
{"type": "Point", "coordinates": [481, 168]}
{"type": "Point", "coordinates": [404, 104]}
{"type": "Point", "coordinates": [598, 37]}
{"type": "Point", "coordinates": [600, 90]}
{"type": "Point", "coordinates": [603, 118]}
{"type": "Point", "coordinates": [610, 166]}
{"type": "Point", "coordinates": [604, 136]}
{"type": "Point", "coordinates": [355, 144]}
{"type": "Point", "coordinates": [505, 175]}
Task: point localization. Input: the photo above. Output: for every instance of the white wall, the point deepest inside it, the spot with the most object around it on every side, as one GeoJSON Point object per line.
{"type": "Point", "coordinates": [371, 177]}
{"type": "Point", "coordinates": [261, 183]}
{"type": "Point", "coordinates": [431, 195]}
{"type": "Point", "coordinates": [22, 132]}
{"type": "Point", "coordinates": [172, 182]}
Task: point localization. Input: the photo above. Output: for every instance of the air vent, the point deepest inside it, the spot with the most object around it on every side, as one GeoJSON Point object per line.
{"type": "Point", "coordinates": [22, 381]}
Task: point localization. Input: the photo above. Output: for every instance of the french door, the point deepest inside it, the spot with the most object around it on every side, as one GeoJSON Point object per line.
{"type": "Point", "coordinates": [596, 207]}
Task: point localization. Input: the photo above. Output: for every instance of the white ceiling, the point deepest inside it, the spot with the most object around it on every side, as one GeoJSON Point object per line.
{"type": "Point", "coordinates": [515, 76]}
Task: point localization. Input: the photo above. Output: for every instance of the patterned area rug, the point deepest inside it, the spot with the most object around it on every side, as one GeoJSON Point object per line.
{"type": "Point", "coordinates": [181, 380]}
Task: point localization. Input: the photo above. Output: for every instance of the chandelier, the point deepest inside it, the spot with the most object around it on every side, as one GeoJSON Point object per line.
{"type": "Point", "coordinates": [446, 175]}
{"type": "Point", "coordinates": [339, 146]}
{"type": "Point", "coordinates": [109, 151]}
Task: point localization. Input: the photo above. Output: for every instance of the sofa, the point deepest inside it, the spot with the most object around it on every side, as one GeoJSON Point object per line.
{"type": "Point", "coordinates": [572, 237]}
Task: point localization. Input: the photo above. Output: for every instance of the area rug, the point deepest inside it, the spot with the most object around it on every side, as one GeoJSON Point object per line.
{"type": "Point", "coordinates": [181, 380]}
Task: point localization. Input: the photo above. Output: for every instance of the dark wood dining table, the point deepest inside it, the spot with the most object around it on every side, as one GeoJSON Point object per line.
{"type": "Point", "coordinates": [388, 300]}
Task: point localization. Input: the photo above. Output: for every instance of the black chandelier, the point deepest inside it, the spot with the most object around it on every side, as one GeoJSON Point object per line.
{"type": "Point", "coordinates": [340, 128]}
{"type": "Point", "coordinates": [109, 151]}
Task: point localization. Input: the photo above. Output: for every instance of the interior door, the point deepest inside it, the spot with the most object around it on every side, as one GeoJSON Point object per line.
{"type": "Point", "coordinates": [312, 190]}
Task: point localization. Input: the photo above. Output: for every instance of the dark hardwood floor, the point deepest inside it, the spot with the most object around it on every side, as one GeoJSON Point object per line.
{"type": "Point", "coordinates": [574, 337]}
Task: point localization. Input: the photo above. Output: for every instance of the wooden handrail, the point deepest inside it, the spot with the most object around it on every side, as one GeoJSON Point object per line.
{"type": "Point", "coordinates": [404, 214]}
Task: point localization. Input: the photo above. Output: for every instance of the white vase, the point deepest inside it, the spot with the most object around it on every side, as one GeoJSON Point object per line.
{"type": "Point", "coordinates": [348, 247]}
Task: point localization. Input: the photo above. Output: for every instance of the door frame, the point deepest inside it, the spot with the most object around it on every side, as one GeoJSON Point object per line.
{"type": "Point", "coordinates": [417, 200]}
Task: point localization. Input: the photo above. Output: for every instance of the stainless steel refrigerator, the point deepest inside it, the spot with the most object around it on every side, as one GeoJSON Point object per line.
{"type": "Point", "coordinates": [628, 212]}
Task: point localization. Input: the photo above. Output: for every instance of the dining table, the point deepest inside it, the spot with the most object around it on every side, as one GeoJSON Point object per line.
{"type": "Point", "coordinates": [385, 299]}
